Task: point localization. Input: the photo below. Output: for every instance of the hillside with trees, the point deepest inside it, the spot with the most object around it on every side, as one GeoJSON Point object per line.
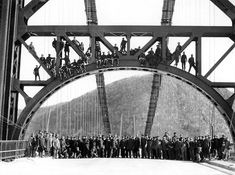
{"type": "Point", "coordinates": [180, 108]}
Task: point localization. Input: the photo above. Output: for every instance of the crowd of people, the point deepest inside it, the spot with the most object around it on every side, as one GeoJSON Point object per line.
{"type": "Point", "coordinates": [153, 58]}
{"type": "Point", "coordinates": [67, 68]}
{"type": "Point", "coordinates": [44, 144]}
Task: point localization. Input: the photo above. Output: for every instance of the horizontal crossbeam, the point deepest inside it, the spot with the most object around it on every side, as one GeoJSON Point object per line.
{"type": "Point", "coordinates": [223, 85]}
{"type": "Point", "coordinates": [16, 87]}
{"type": "Point", "coordinates": [33, 83]}
{"type": "Point", "coordinates": [168, 31]}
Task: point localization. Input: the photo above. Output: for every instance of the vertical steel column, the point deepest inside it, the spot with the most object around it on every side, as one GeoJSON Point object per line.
{"type": "Point", "coordinates": [199, 56]}
{"type": "Point", "coordinates": [164, 48]}
{"type": "Point", "coordinates": [103, 102]}
{"type": "Point", "coordinates": [92, 45]}
{"type": "Point", "coordinates": [156, 83]}
{"type": "Point", "coordinates": [91, 14]}
{"type": "Point", "coordinates": [4, 27]}
{"type": "Point", "coordinates": [8, 28]}
{"type": "Point", "coordinates": [167, 13]}
{"type": "Point", "coordinates": [58, 55]}
{"type": "Point", "coordinates": [128, 43]}
{"type": "Point", "coordinates": [15, 60]}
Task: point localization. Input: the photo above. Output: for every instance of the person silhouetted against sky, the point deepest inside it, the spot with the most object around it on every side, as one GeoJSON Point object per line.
{"type": "Point", "coordinates": [36, 72]}
{"type": "Point", "coordinates": [183, 60]}
{"type": "Point", "coordinates": [191, 63]}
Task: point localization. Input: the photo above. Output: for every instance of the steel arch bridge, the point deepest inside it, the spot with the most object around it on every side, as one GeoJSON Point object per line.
{"type": "Point", "coordinates": [15, 31]}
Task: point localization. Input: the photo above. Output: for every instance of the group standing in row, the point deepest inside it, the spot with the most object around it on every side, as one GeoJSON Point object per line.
{"type": "Point", "coordinates": [172, 148]}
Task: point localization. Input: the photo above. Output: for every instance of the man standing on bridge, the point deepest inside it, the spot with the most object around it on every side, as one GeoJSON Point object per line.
{"type": "Point", "coordinates": [177, 53]}
{"type": "Point", "coordinates": [36, 72]}
{"type": "Point", "coordinates": [191, 63]}
{"type": "Point", "coordinates": [123, 46]}
{"type": "Point", "coordinates": [183, 60]}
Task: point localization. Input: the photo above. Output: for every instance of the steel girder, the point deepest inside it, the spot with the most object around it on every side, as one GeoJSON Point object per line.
{"type": "Point", "coordinates": [90, 8]}
{"type": "Point", "coordinates": [168, 31]}
{"type": "Point", "coordinates": [227, 7]}
{"type": "Point", "coordinates": [10, 64]}
{"type": "Point", "coordinates": [156, 84]}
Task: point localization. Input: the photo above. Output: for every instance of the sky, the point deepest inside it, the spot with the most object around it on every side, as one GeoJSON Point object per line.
{"type": "Point", "coordinates": [128, 12]}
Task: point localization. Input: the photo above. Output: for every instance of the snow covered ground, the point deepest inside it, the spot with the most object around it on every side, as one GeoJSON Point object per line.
{"type": "Point", "coordinates": [99, 166]}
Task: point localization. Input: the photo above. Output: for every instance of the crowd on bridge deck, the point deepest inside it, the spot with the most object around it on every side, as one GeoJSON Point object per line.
{"type": "Point", "coordinates": [45, 144]}
{"type": "Point", "coordinates": [68, 68]}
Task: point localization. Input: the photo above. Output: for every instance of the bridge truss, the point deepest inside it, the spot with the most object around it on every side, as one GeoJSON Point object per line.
{"type": "Point", "coordinates": [15, 31]}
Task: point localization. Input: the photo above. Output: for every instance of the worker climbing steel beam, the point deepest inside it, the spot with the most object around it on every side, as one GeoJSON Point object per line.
{"type": "Point", "coordinates": [91, 14]}
{"type": "Point", "coordinates": [167, 13]}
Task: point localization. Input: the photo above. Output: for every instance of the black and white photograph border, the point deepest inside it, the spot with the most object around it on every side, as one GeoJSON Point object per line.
{"type": "Point", "coordinates": [117, 86]}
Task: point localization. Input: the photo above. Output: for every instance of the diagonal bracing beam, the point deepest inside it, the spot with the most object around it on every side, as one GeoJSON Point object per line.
{"type": "Point", "coordinates": [35, 56]}
{"type": "Point", "coordinates": [231, 99]}
{"type": "Point", "coordinates": [75, 48]}
{"type": "Point", "coordinates": [184, 46]}
{"type": "Point", "coordinates": [108, 44]}
{"type": "Point", "coordinates": [32, 7]}
{"type": "Point", "coordinates": [147, 46]}
{"type": "Point", "coordinates": [227, 7]}
{"type": "Point", "coordinates": [219, 61]}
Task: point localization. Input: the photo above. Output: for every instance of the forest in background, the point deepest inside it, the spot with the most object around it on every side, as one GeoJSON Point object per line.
{"type": "Point", "coordinates": [181, 108]}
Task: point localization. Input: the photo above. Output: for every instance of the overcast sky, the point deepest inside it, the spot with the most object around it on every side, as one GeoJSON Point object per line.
{"type": "Point", "coordinates": [130, 12]}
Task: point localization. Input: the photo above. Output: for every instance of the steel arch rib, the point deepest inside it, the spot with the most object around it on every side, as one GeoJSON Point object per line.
{"type": "Point", "coordinates": [127, 63]}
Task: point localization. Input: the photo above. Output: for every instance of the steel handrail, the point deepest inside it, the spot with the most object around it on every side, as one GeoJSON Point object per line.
{"type": "Point", "coordinates": [11, 149]}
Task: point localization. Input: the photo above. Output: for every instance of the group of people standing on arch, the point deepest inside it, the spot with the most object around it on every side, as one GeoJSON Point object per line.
{"type": "Point", "coordinates": [68, 68]}
{"type": "Point", "coordinates": [173, 148]}
{"type": "Point", "coordinates": [153, 58]}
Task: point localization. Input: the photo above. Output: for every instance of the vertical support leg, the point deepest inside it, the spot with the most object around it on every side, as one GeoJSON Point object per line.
{"type": "Point", "coordinates": [92, 45]}
{"type": "Point", "coordinates": [58, 55]}
{"type": "Point", "coordinates": [164, 46]}
{"type": "Point", "coordinates": [156, 83]}
{"type": "Point", "coordinates": [199, 56]}
{"type": "Point", "coordinates": [128, 44]}
{"type": "Point", "coordinates": [103, 102]}
{"type": "Point", "coordinates": [5, 7]}
{"type": "Point", "coordinates": [8, 22]}
{"type": "Point", "coordinates": [14, 96]}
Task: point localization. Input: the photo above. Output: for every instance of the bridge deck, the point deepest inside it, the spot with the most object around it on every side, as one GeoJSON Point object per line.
{"type": "Point", "coordinates": [107, 166]}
